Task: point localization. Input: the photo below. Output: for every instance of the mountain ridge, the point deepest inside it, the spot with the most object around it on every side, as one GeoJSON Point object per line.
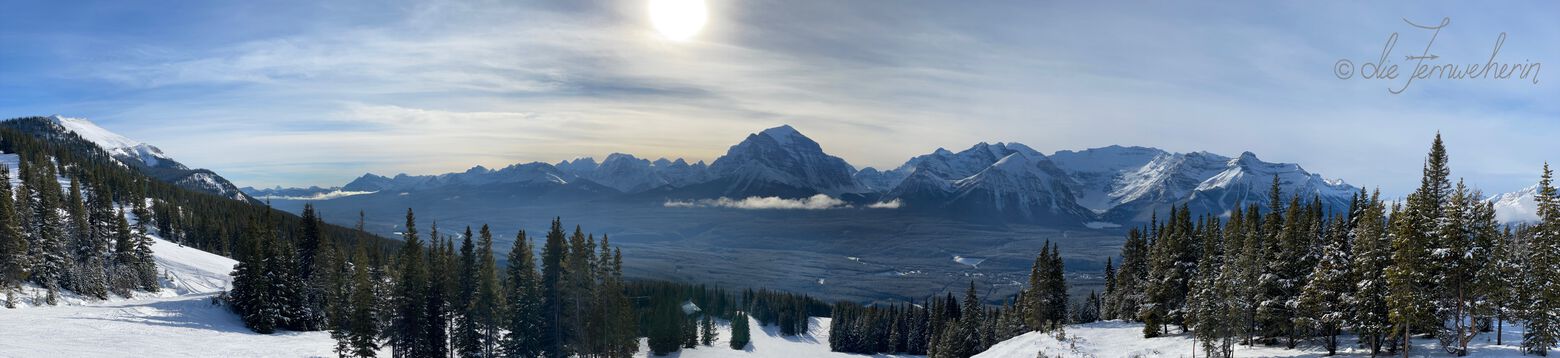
{"type": "Point", "coordinates": [1121, 184]}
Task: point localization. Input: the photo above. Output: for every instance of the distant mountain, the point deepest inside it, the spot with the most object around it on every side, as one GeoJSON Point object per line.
{"type": "Point", "coordinates": [1518, 206]}
{"type": "Point", "coordinates": [146, 158]}
{"type": "Point", "coordinates": [630, 174]}
{"type": "Point", "coordinates": [1005, 181]}
{"type": "Point", "coordinates": [780, 162]}
{"type": "Point", "coordinates": [1130, 184]}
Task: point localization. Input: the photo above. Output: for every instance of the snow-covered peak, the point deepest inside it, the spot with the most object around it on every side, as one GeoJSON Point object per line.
{"type": "Point", "coordinates": [116, 145]}
{"type": "Point", "coordinates": [783, 134]}
{"type": "Point", "coordinates": [1517, 206]}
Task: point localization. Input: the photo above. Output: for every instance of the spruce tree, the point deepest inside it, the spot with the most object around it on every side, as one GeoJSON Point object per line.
{"type": "Point", "coordinates": [487, 304]}
{"type": "Point", "coordinates": [1322, 303]}
{"type": "Point", "coordinates": [552, 308]}
{"type": "Point", "coordinates": [362, 323]}
{"type": "Point", "coordinates": [524, 315]}
{"type": "Point", "coordinates": [1410, 277]}
{"type": "Point", "coordinates": [1107, 304]}
{"type": "Point", "coordinates": [707, 330]}
{"type": "Point", "coordinates": [407, 333]}
{"type": "Point", "coordinates": [740, 335]}
{"type": "Point", "coordinates": [1542, 292]}
{"type": "Point", "coordinates": [13, 245]}
{"type": "Point", "coordinates": [1371, 255]}
{"type": "Point", "coordinates": [468, 340]}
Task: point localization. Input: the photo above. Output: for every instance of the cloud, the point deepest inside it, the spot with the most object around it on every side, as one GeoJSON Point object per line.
{"type": "Point", "coordinates": [252, 94]}
{"type": "Point", "coordinates": [815, 202]}
{"type": "Point", "coordinates": [891, 204]}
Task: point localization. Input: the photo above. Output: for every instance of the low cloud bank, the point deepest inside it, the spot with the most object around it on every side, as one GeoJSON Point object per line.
{"type": "Point", "coordinates": [815, 202]}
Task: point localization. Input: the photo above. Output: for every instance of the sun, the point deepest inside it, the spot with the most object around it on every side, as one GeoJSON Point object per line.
{"type": "Point", "coordinates": [678, 20]}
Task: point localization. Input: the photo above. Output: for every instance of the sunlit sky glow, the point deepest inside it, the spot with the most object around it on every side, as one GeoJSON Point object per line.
{"type": "Point", "coordinates": [318, 92]}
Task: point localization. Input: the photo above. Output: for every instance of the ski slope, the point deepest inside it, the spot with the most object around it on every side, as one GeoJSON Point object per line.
{"type": "Point", "coordinates": [766, 342]}
{"type": "Point", "coordinates": [179, 321]}
{"type": "Point", "coordinates": [1123, 339]}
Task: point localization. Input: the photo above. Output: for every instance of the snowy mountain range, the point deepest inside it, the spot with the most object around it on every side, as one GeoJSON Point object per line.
{"type": "Point", "coordinates": [142, 156]}
{"type": "Point", "coordinates": [996, 181]}
{"type": "Point", "coordinates": [1517, 206]}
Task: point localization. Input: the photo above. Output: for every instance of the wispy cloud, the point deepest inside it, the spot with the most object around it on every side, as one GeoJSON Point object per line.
{"type": "Point", "coordinates": [815, 202]}
{"type": "Point", "coordinates": [261, 93]}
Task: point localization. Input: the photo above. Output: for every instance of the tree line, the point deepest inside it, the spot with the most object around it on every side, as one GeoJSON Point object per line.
{"type": "Point", "coordinates": [1437, 265]}
{"type": "Point", "coordinates": [949, 327]}
{"type": "Point", "coordinates": [438, 298]}
{"type": "Point", "coordinates": [73, 218]}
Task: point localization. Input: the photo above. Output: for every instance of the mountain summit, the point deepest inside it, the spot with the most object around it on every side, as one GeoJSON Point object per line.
{"type": "Point", "coordinates": [147, 159]}
{"type": "Point", "coordinates": [780, 161]}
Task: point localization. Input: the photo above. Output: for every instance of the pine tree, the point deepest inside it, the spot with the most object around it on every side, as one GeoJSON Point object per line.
{"type": "Point", "coordinates": [524, 302]}
{"type": "Point", "coordinates": [1411, 275]}
{"type": "Point", "coordinates": [407, 334]}
{"type": "Point", "coordinates": [48, 248]}
{"type": "Point", "coordinates": [1371, 255]}
{"type": "Point", "coordinates": [739, 332]}
{"type": "Point", "coordinates": [1322, 306]}
{"type": "Point", "coordinates": [1542, 292]}
{"type": "Point", "coordinates": [468, 340]}
{"type": "Point", "coordinates": [707, 330]}
{"type": "Point", "coordinates": [437, 304]}
{"type": "Point", "coordinates": [362, 324]}
{"type": "Point", "coordinates": [1130, 276]}
{"type": "Point", "coordinates": [552, 308]}
{"type": "Point", "coordinates": [13, 245]}
{"type": "Point", "coordinates": [486, 306]}
{"type": "Point", "coordinates": [1107, 304]}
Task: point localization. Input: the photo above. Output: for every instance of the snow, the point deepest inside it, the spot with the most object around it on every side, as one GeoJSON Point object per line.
{"type": "Point", "coordinates": [178, 321]}
{"type": "Point", "coordinates": [114, 143]}
{"type": "Point", "coordinates": [781, 134]}
{"type": "Point", "coordinates": [971, 261]}
{"type": "Point", "coordinates": [1123, 339]}
{"type": "Point", "coordinates": [766, 342]}
{"type": "Point", "coordinates": [1518, 206]}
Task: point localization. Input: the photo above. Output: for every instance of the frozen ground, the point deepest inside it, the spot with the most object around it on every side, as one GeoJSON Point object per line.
{"type": "Point", "coordinates": [179, 321]}
{"type": "Point", "coordinates": [1120, 339]}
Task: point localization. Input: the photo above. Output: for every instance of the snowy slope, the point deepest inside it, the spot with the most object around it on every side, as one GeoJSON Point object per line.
{"type": "Point", "coordinates": [1121, 339]}
{"type": "Point", "coordinates": [117, 145]}
{"type": "Point", "coordinates": [179, 321]}
{"type": "Point", "coordinates": [1517, 206]}
{"type": "Point", "coordinates": [766, 343]}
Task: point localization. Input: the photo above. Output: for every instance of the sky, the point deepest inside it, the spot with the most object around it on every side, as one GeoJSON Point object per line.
{"type": "Point", "coordinates": [298, 93]}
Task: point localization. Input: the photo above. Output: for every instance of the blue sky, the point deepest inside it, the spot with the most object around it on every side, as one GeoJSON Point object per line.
{"type": "Point", "coordinates": [308, 92]}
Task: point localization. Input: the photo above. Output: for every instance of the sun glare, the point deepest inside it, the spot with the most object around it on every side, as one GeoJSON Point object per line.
{"type": "Point", "coordinates": [678, 20]}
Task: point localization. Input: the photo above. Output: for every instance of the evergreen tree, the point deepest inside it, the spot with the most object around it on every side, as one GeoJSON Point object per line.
{"type": "Point", "coordinates": [408, 336]}
{"type": "Point", "coordinates": [486, 308]}
{"type": "Point", "coordinates": [552, 308]}
{"type": "Point", "coordinates": [1130, 276]}
{"type": "Point", "coordinates": [524, 319]}
{"type": "Point", "coordinates": [1323, 306]}
{"type": "Point", "coordinates": [362, 324]}
{"type": "Point", "coordinates": [1371, 255]}
{"type": "Point", "coordinates": [468, 340]}
{"type": "Point", "coordinates": [707, 330]}
{"type": "Point", "coordinates": [437, 304]}
{"type": "Point", "coordinates": [739, 332]}
{"type": "Point", "coordinates": [1541, 291]}
{"type": "Point", "coordinates": [13, 244]}
{"type": "Point", "coordinates": [1107, 305]}
{"type": "Point", "coordinates": [1411, 300]}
